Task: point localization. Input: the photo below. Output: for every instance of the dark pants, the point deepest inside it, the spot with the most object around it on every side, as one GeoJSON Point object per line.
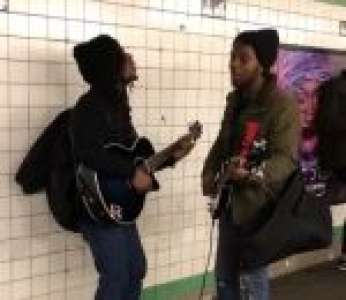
{"type": "Point", "coordinates": [119, 259]}
{"type": "Point", "coordinates": [233, 283]}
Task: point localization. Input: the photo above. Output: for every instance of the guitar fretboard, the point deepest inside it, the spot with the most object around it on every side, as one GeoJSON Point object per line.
{"type": "Point", "coordinates": [158, 159]}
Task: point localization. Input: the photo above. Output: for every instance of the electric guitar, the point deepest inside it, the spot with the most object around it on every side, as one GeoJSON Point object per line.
{"type": "Point", "coordinates": [223, 184]}
{"type": "Point", "coordinates": [114, 200]}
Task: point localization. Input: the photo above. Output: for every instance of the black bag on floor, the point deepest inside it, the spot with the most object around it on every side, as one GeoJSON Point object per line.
{"type": "Point", "coordinates": [297, 221]}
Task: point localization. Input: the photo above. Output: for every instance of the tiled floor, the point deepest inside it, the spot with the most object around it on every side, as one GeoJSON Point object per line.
{"type": "Point", "coordinates": [318, 283]}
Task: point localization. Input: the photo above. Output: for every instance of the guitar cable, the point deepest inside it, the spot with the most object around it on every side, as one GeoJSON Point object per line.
{"type": "Point", "coordinates": [205, 274]}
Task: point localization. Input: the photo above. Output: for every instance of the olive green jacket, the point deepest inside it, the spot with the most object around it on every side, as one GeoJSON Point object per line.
{"type": "Point", "coordinates": [277, 113]}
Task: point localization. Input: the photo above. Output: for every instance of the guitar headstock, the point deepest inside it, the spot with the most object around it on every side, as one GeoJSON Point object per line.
{"type": "Point", "coordinates": [195, 130]}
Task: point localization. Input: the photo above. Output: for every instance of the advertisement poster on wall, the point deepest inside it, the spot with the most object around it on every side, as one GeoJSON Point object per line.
{"type": "Point", "coordinates": [301, 70]}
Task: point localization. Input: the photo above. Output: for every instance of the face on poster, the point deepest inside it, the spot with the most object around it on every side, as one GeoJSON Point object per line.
{"type": "Point", "coordinates": [301, 70]}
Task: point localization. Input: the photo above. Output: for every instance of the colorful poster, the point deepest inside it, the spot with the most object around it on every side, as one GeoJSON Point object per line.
{"type": "Point", "coordinates": [301, 70]}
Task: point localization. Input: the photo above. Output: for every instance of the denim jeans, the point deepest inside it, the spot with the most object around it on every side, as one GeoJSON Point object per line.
{"type": "Point", "coordinates": [252, 285]}
{"type": "Point", "coordinates": [234, 283]}
{"type": "Point", "coordinates": [119, 259]}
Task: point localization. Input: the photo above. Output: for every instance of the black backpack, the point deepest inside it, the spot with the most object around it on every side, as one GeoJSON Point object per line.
{"type": "Point", "coordinates": [61, 190]}
{"type": "Point", "coordinates": [49, 166]}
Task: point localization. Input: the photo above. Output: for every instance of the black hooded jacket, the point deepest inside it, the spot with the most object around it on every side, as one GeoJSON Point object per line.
{"type": "Point", "coordinates": [99, 119]}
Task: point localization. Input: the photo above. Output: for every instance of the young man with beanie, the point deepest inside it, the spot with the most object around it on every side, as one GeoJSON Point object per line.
{"type": "Point", "coordinates": [255, 100]}
{"type": "Point", "coordinates": [102, 118]}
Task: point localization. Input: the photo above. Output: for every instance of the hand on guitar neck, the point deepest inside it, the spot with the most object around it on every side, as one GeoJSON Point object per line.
{"type": "Point", "coordinates": [186, 143]}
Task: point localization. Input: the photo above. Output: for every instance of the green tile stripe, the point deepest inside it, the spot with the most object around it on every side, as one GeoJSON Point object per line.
{"type": "Point", "coordinates": [336, 2]}
{"type": "Point", "coordinates": [191, 285]}
{"type": "Point", "coordinates": [337, 232]}
{"type": "Point", "coordinates": [177, 288]}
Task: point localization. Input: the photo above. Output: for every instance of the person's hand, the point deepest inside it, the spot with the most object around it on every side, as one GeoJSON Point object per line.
{"type": "Point", "coordinates": [208, 185]}
{"type": "Point", "coordinates": [142, 181]}
{"type": "Point", "coordinates": [236, 169]}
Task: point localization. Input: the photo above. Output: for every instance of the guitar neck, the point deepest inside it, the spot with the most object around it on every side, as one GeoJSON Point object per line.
{"type": "Point", "coordinates": [158, 159]}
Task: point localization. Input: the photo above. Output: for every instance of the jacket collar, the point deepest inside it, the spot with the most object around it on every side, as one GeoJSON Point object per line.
{"type": "Point", "coordinates": [263, 99]}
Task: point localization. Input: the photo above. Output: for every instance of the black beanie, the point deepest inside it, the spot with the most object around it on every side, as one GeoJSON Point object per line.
{"type": "Point", "coordinates": [100, 60]}
{"type": "Point", "coordinates": [265, 42]}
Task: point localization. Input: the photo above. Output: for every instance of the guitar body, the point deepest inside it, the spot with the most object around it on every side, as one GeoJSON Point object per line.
{"type": "Point", "coordinates": [112, 199]}
{"type": "Point", "coordinates": [224, 193]}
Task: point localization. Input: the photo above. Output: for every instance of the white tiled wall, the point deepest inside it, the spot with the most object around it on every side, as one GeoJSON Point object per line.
{"type": "Point", "coordinates": [182, 59]}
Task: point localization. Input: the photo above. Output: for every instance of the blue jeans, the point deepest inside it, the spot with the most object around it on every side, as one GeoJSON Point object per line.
{"type": "Point", "coordinates": [252, 285]}
{"type": "Point", "coordinates": [119, 259]}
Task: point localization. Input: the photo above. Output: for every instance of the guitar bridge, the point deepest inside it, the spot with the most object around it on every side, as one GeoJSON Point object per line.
{"type": "Point", "coordinates": [115, 212]}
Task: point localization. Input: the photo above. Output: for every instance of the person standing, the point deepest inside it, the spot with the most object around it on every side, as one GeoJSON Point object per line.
{"type": "Point", "coordinates": [257, 101]}
{"type": "Point", "coordinates": [100, 119]}
{"type": "Point", "coordinates": [331, 130]}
